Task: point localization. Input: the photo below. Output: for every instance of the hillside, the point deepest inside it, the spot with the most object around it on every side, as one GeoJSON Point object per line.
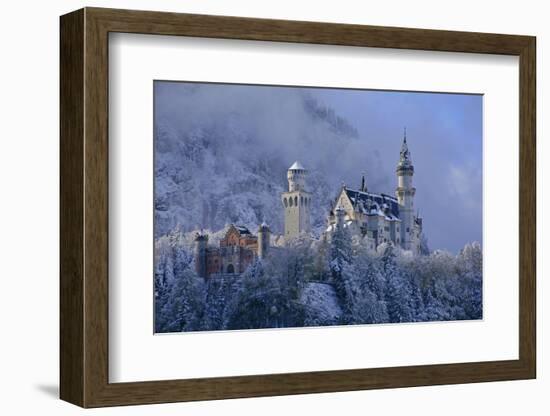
{"type": "Point", "coordinates": [228, 169]}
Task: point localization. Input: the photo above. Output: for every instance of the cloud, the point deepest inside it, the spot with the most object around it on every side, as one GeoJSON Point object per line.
{"type": "Point", "coordinates": [272, 123]}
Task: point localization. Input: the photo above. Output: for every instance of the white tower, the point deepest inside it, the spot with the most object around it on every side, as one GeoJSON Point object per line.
{"type": "Point", "coordinates": [405, 195]}
{"type": "Point", "coordinates": [296, 203]}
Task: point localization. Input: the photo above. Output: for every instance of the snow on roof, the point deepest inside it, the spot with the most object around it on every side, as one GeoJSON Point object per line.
{"type": "Point", "coordinates": [362, 200]}
{"type": "Point", "coordinates": [296, 166]}
{"type": "Point", "coordinates": [242, 229]}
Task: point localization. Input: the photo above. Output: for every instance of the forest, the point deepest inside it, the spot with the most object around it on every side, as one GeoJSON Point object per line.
{"type": "Point", "coordinates": [316, 282]}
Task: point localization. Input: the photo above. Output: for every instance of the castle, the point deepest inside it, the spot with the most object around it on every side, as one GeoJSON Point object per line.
{"type": "Point", "coordinates": [373, 218]}
{"type": "Point", "coordinates": [380, 218]}
{"type": "Point", "coordinates": [237, 250]}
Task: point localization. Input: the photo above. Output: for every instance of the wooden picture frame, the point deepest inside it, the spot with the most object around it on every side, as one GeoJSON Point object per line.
{"type": "Point", "coordinates": [84, 207]}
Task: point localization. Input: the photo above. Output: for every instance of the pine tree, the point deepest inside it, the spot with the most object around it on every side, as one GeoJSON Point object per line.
{"type": "Point", "coordinates": [179, 292]}
{"type": "Point", "coordinates": [398, 292]}
{"type": "Point", "coordinates": [183, 310]}
{"type": "Point", "coordinates": [268, 297]}
{"type": "Point", "coordinates": [341, 270]}
{"type": "Point", "coordinates": [471, 268]}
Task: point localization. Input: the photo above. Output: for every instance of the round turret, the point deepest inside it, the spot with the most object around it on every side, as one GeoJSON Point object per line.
{"type": "Point", "coordinates": [296, 202]}
{"type": "Point", "coordinates": [296, 176]}
{"type": "Point", "coordinates": [404, 166]}
{"type": "Point", "coordinates": [201, 243]}
{"type": "Point", "coordinates": [405, 195]}
{"type": "Point", "coordinates": [264, 236]}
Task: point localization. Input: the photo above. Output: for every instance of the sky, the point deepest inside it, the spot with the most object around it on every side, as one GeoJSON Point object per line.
{"type": "Point", "coordinates": [444, 133]}
{"type": "Point", "coordinates": [445, 138]}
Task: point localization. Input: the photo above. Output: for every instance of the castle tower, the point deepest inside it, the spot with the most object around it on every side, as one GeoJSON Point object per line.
{"type": "Point", "coordinates": [405, 195]}
{"type": "Point", "coordinates": [264, 234]}
{"type": "Point", "coordinates": [340, 218]}
{"type": "Point", "coordinates": [201, 243]}
{"type": "Point", "coordinates": [296, 202]}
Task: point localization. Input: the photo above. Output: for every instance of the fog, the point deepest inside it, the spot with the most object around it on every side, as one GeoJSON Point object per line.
{"type": "Point", "coordinates": [362, 135]}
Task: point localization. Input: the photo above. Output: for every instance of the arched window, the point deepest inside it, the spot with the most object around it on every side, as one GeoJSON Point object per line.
{"type": "Point", "coordinates": [296, 200]}
{"type": "Point", "coordinates": [230, 269]}
{"type": "Point", "coordinates": [301, 200]}
{"type": "Point", "coordinates": [285, 202]}
{"type": "Point", "coordinates": [290, 201]}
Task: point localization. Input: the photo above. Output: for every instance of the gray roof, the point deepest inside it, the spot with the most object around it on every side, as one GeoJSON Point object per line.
{"type": "Point", "coordinates": [242, 229]}
{"type": "Point", "coordinates": [374, 204]}
{"type": "Point", "coordinates": [296, 166]}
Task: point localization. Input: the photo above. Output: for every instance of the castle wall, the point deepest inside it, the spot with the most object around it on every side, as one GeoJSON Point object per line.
{"type": "Point", "coordinates": [297, 213]}
{"type": "Point", "coordinates": [235, 253]}
{"type": "Point", "coordinates": [213, 262]}
{"type": "Point", "coordinates": [228, 260]}
{"type": "Point", "coordinates": [375, 228]}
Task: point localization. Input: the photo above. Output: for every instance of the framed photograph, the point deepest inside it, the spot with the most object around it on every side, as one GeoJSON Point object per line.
{"type": "Point", "coordinates": [254, 207]}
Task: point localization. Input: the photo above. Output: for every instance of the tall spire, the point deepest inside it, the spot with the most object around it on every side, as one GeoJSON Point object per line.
{"type": "Point", "coordinates": [363, 184]}
{"type": "Point", "coordinates": [405, 196]}
{"type": "Point", "coordinates": [404, 154]}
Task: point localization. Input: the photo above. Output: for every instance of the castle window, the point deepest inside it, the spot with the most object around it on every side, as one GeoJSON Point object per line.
{"type": "Point", "coordinates": [296, 200]}
{"type": "Point", "coordinates": [285, 202]}
{"type": "Point", "coordinates": [290, 201]}
{"type": "Point", "coordinates": [230, 269]}
{"type": "Point", "coordinates": [408, 230]}
{"type": "Point", "coordinates": [301, 200]}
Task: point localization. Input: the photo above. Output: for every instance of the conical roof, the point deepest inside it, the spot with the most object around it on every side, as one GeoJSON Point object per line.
{"type": "Point", "coordinates": [296, 166]}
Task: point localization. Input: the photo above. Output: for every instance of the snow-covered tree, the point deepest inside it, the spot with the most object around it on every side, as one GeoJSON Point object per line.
{"type": "Point", "coordinates": [179, 301]}
{"type": "Point", "coordinates": [340, 263]}
{"type": "Point", "coordinates": [268, 298]}
{"type": "Point", "coordinates": [398, 292]}
{"type": "Point", "coordinates": [286, 290]}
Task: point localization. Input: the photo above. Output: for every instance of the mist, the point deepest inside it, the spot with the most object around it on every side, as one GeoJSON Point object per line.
{"type": "Point", "coordinates": [228, 147]}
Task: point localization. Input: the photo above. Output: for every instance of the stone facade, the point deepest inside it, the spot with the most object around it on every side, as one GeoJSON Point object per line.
{"type": "Point", "coordinates": [236, 251]}
{"type": "Point", "coordinates": [381, 218]}
{"type": "Point", "coordinates": [374, 218]}
{"type": "Point", "coordinates": [296, 203]}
